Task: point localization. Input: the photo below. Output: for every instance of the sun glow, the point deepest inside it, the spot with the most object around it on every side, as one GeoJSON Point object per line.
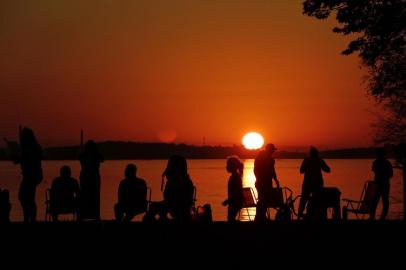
{"type": "Point", "coordinates": [253, 140]}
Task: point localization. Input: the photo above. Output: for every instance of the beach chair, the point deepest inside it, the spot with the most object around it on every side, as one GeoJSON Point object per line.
{"type": "Point", "coordinates": [365, 204]}
{"type": "Point", "coordinates": [279, 199]}
{"type": "Point", "coordinates": [249, 201]}
{"type": "Point", "coordinates": [194, 196]}
{"type": "Point", "coordinates": [59, 207]}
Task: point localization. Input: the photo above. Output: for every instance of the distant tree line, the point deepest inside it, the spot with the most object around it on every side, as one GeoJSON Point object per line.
{"type": "Point", "coordinates": [117, 150]}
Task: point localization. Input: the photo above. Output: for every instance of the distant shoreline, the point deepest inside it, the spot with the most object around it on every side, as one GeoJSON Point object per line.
{"type": "Point", "coordinates": [118, 150]}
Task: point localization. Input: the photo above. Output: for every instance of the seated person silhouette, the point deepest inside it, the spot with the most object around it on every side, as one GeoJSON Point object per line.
{"type": "Point", "coordinates": [64, 195]}
{"type": "Point", "coordinates": [5, 206]}
{"type": "Point", "coordinates": [178, 193]}
{"type": "Point", "coordinates": [132, 196]}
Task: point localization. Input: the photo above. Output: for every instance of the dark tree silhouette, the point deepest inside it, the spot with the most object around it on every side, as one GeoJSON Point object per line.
{"type": "Point", "coordinates": [379, 29]}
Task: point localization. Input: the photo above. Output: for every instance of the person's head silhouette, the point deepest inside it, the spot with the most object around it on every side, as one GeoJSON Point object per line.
{"type": "Point", "coordinates": [65, 172]}
{"type": "Point", "coordinates": [91, 147]}
{"type": "Point", "coordinates": [270, 148]}
{"type": "Point", "coordinates": [234, 164]}
{"type": "Point", "coordinates": [130, 171]}
{"type": "Point", "coordinates": [177, 167]}
{"type": "Point", "coordinates": [380, 153]}
{"type": "Point", "coordinates": [314, 152]}
{"type": "Point", "coordinates": [27, 138]}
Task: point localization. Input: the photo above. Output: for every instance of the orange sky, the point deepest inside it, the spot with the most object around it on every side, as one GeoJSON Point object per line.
{"type": "Point", "coordinates": [183, 70]}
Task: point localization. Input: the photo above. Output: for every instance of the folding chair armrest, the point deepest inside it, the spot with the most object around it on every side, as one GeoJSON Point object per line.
{"type": "Point", "coordinates": [351, 201]}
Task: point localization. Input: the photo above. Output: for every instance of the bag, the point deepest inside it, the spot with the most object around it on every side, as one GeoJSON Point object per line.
{"type": "Point", "coordinates": [203, 214]}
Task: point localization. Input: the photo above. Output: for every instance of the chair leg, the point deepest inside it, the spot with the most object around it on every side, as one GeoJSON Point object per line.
{"type": "Point", "coordinates": [345, 213]}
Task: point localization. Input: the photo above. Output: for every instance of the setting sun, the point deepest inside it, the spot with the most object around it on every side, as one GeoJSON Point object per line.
{"type": "Point", "coordinates": [253, 140]}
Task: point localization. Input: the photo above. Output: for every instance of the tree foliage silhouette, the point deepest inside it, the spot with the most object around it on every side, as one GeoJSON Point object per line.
{"type": "Point", "coordinates": [379, 29]}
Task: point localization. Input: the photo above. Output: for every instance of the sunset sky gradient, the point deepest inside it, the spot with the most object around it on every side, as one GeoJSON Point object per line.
{"type": "Point", "coordinates": [179, 70]}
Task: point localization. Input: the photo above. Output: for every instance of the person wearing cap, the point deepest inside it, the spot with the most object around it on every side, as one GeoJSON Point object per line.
{"type": "Point", "coordinates": [265, 174]}
{"type": "Point", "coordinates": [312, 168]}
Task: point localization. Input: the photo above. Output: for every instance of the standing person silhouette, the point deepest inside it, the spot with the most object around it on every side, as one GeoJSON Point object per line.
{"type": "Point", "coordinates": [31, 170]}
{"type": "Point", "coordinates": [313, 182]}
{"type": "Point", "coordinates": [264, 170]}
{"type": "Point", "coordinates": [235, 196]}
{"type": "Point", "coordinates": [383, 173]}
{"type": "Point", "coordinates": [90, 160]}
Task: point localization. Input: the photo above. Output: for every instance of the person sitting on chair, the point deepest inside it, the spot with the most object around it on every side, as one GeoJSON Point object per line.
{"type": "Point", "coordinates": [132, 196]}
{"type": "Point", "coordinates": [178, 193]}
{"type": "Point", "coordinates": [64, 194]}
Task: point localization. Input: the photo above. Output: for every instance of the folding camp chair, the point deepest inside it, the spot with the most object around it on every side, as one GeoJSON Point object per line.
{"type": "Point", "coordinates": [365, 204]}
{"type": "Point", "coordinates": [59, 208]}
{"type": "Point", "coordinates": [249, 201]}
{"type": "Point", "coordinates": [280, 199]}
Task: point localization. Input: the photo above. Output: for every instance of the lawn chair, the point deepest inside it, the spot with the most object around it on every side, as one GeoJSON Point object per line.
{"type": "Point", "coordinates": [279, 199]}
{"type": "Point", "coordinates": [249, 201]}
{"type": "Point", "coordinates": [366, 203]}
{"type": "Point", "coordinates": [59, 208]}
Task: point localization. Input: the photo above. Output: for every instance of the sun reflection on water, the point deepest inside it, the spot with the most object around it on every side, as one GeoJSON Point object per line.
{"type": "Point", "coordinates": [248, 180]}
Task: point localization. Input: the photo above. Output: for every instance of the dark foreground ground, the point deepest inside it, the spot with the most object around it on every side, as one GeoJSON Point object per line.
{"type": "Point", "coordinates": [296, 244]}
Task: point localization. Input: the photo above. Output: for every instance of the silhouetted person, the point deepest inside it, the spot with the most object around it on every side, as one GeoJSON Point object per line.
{"type": "Point", "coordinates": [132, 196]}
{"type": "Point", "coordinates": [312, 168]}
{"type": "Point", "coordinates": [64, 194]}
{"type": "Point", "coordinates": [265, 174]}
{"type": "Point", "coordinates": [383, 173]}
{"type": "Point", "coordinates": [235, 195]}
{"type": "Point", "coordinates": [30, 161]}
{"type": "Point", "coordinates": [90, 161]}
{"type": "Point", "coordinates": [178, 193]}
{"type": "Point", "coordinates": [5, 206]}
